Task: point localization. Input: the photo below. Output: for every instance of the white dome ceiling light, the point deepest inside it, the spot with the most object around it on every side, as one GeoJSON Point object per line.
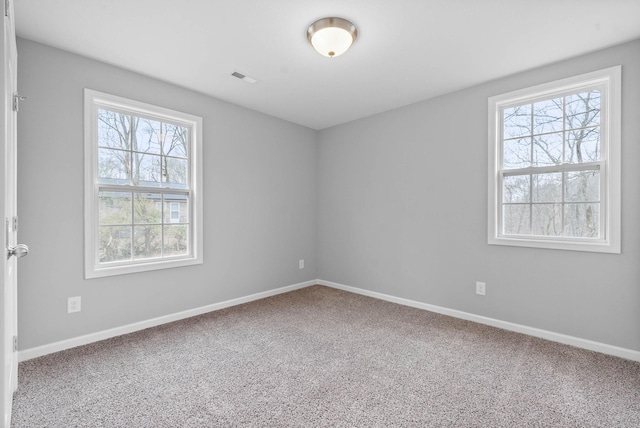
{"type": "Point", "coordinates": [332, 37]}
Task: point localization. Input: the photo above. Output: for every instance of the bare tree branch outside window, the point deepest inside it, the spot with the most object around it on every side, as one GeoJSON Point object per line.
{"type": "Point", "coordinates": [144, 153]}
{"type": "Point", "coordinates": [550, 154]}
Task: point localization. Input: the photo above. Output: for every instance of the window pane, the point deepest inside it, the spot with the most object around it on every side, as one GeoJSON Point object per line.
{"type": "Point", "coordinates": [113, 166]}
{"type": "Point", "coordinates": [547, 187]}
{"type": "Point", "coordinates": [582, 186]}
{"type": "Point", "coordinates": [176, 204]}
{"type": "Point", "coordinates": [583, 109]}
{"type": "Point", "coordinates": [115, 243]}
{"type": "Point", "coordinates": [147, 170]}
{"type": "Point", "coordinates": [517, 121]}
{"type": "Point", "coordinates": [516, 188]}
{"type": "Point", "coordinates": [547, 219]}
{"type": "Point", "coordinates": [147, 208]}
{"type": "Point", "coordinates": [175, 173]}
{"type": "Point", "coordinates": [582, 220]}
{"type": "Point", "coordinates": [114, 129]}
{"type": "Point", "coordinates": [176, 239]}
{"type": "Point", "coordinates": [147, 241]}
{"type": "Point", "coordinates": [147, 136]}
{"type": "Point", "coordinates": [583, 145]}
{"type": "Point", "coordinates": [517, 153]}
{"type": "Point", "coordinates": [516, 219]}
{"type": "Point", "coordinates": [115, 208]}
{"type": "Point", "coordinates": [547, 149]}
{"type": "Point", "coordinates": [175, 140]}
{"type": "Point", "coordinates": [547, 116]}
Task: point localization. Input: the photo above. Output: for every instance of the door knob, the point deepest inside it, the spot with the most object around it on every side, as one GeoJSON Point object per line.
{"type": "Point", "coordinates": [19, 250]}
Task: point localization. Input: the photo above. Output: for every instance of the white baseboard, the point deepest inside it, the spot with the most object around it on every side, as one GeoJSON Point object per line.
{"type": "Point", "coordinates": [39, 351]}
{"type": "Point", "coordinates": [518, 328]}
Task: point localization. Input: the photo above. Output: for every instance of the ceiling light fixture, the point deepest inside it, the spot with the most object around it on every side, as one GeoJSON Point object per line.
{"type": "Point", "coordinates": [332, 37]}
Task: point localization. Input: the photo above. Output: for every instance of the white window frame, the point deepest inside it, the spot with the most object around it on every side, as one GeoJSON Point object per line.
{"type": "Point", "coordinates": [94, 100]}
{"type": "Point", "coordinates": [610, 166]}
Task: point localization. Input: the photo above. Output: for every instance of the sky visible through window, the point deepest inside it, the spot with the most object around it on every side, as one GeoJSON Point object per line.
{"type": "Point", "coordinates": [143, 177]}
{"type": "Point", "coordinates": [550, 159]}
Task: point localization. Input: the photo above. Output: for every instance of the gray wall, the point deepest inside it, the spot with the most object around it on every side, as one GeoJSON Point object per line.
{"type": "Point", "coordinates": [402, 205]}
{"type": "Point", "coordinates": [259, 202]}
{"type": "Point", "coordinates": [395, 203]}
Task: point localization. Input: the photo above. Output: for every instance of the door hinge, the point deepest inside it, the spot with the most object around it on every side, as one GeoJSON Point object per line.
{"type": "Point", "coordinates": [7, 5]}
{"type": "Point", "coordinates": [15, 343]}
{"type": "Point", "coordinates": [16, 101]}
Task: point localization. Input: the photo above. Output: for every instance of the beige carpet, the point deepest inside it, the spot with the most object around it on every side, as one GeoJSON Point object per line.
{"type": "Point", "coordinates": [323, 357]}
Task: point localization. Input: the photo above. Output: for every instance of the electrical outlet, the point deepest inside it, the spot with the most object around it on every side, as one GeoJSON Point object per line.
{"type": "Point", "coordinates": [481, 288]}
{"type": "Point", "coordinates": [301, 264]}
{"type": "Point", "coordinates": [74, 304]}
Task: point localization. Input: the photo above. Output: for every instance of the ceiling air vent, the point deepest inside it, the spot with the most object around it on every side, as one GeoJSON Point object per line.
{"type": "Point", "coordinates": [243, 77]}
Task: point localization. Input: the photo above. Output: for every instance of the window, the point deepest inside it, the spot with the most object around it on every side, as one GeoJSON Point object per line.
{"type": "Point", "coordinates": [143, 176]}
{"type": "Point", "coordinates": [174, 212]}
{"type": "Point", "coordinates": [554, 165]}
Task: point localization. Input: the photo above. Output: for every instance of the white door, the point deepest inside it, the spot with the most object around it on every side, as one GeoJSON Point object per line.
{"type": "Point", "coordinates": [8, 192]}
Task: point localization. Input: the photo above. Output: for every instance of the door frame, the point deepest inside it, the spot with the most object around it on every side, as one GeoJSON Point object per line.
{"type": "Point", "coordinates": [8, 198]}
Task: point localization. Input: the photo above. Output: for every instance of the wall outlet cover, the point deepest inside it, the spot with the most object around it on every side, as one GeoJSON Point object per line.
{"type": "Point", "coordinates": [74, 304]}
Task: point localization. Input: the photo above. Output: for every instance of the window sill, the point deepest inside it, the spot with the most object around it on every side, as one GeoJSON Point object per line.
{"type": "Point", "coordinates": [123, 269]}
{"type": "Point", "coordinates": [596, 246]}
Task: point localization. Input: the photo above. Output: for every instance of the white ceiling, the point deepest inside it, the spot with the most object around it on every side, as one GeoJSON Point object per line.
{"type": "Point", "coordinates": [407, 50]}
